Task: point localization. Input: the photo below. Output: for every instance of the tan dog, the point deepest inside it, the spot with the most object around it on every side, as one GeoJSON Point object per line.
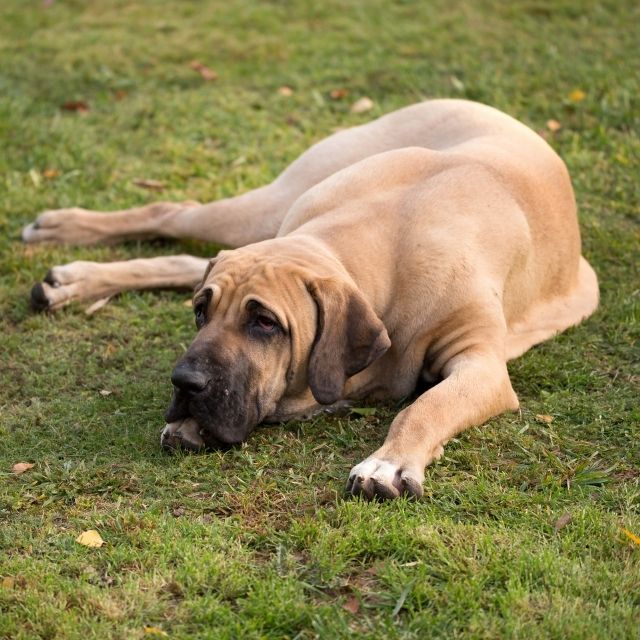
{"type": "Point", "coordinates": [436, 242]}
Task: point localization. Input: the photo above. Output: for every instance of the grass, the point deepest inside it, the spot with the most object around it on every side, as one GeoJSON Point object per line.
{"type": "Point", "coordinates": [258, 542]}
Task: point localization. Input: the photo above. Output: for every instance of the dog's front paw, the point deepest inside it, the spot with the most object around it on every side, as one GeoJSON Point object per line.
{"type": "Point", "coordinates": [78, 280]}
{"type": "Point", "coordinates": [378, 478]}
{"type": "Point", "coordinates": [184, 434]}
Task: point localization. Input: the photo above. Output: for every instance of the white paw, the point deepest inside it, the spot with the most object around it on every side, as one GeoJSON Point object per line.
{"type": "Point", "coordinates": [384, 479]}
{"type": "Point", "coordinates": [184, 434]}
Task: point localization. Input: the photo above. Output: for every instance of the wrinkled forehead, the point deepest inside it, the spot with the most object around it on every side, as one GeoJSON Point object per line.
{"type": "Point", "coordinates": [236, 278]}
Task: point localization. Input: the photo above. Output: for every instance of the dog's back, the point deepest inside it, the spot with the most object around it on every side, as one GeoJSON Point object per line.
{"type": "Point", "coordinates": [470, 185]}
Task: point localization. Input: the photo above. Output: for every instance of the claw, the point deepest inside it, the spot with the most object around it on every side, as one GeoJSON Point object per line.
{"type": "Point", "coordinates": [381, 489]}
{"type": "Point", "coordinates": [50, 280]}
{"type": "Point", "coordinates": [412, 488]}
{"type": "Point", "coordinates": [39, 300]}
{"type": "Point", "coordinates": [384, 480]}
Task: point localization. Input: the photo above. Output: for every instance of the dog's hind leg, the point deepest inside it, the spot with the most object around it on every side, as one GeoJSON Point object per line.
{"type": "Point", "coordinates": [80, 281]}
{"type": "Point", "coordinates": [235, 222]}
{"type": "Point", "coordinates": [250, 217]}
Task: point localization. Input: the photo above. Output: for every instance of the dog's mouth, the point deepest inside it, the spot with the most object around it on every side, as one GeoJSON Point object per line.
{"type": "Point", "coordinates": [184, 430]}
{"type": "Point", "coordinates": [202, 421]}
{"type": "Point", "coordinates": [182, 435]}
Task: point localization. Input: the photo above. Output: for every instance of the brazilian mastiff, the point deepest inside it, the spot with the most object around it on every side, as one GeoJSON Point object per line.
{"type": "Point", "coordinates": [433, 244]}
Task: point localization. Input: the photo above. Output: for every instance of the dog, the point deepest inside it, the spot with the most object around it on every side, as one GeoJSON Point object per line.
{"type": "Point", "coordinates": [431, 245]}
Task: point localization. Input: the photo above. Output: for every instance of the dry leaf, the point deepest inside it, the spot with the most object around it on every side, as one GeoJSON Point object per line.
{"type": "Point", "coordinates": [155, 631]}
{"type": "Point", "coordinates": [120, 94]}
{"type": "Point", "coordinates": [285, 91]}
{"type": "Point", "coordinates": [362, 105]}
{"type": "Point", "coordinates": [562, 521]}
{"type": "Point", "coordinates": [456, 83]}
{"type": "Point", "coordinates": [543, 417]}
{"type": "Point", "coordinates": [8, 582]}
{"type": "Point", "coordinates": [553, 125]}
{"type": "Point", "coordinates": [90, 538]}
{"type": "Point", "coordinates": [208, 74]}
{"type": "Point", "coordinates": [105, 392]}
{"type": "Point", "coordinates": [152, 185]}
{"type": "Point", "coordinates": [96, 306]}
{"type": "Point", "coordinates": [49, 174]}
{"type": "Point", "coordinates": [28, 251]}
{"type": "Point", "coordinates": [203, 70]}
{"type": "Point", "coordinates": [109, 350]}
{"type": "Point", "coordinates": [338, 94]}
{"type": "Point", "coordinates": [75, 105]}
{"type": "Point", "coordinates": [21, 467]}
{"type": "Point", "coordinates": [577, 95]}
{"type": "Point", "coordinates": [188, 303]}
{"type": "Point", "coordinates": [35, 177]}
{"type": "Point", "coordinates": [631, 536]}
{"type": "Point", "coordinates": [352, 605]}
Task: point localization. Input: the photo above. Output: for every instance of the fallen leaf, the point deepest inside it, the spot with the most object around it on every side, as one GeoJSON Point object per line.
{"type": "Point", "coordinates": [285, 91]}
{"type": "Point", "coordinates": [364, 411]}
{"type": "Point", "coordinates": [96, 306]}
{"type": "Point", "coordinates": [456, 83]}
{"type": "Point", "coordinates": [152, 185]}
{"type": "Point", "coordinates": [338, 94]}
{"type": "Point", "coordinates": [631, 536]}
{"type": "Point", "coordinates": [8, 582]}
{"type": "Point", "coordinates": [21, 467]}
{"type": "Point", "coordinates": [543, 417]}
{"type": "Point", "coordinates": [155, 631]}
{"type": "Point", "coordinates": [203, 70]}
{"type": "Point", "coordinates": [109, 350]}
{"type": "Point", "coordinates": [577, 95]}
{"type": "Point", "coordinates": [90, 538]}
{"type": "Point", "coordinates": [562, 521]}
{"type": "Point", "coordinates": [362, 105]}
{"type": "Point", "coordinates": [553, 125]}
{"type": "Point", "coordinates": [120, 94]}
{"type": "Point", "coordinates": [105, 392]}
{"type": "Point", "coordinates": [35, 177]}
{"type": "Point", "coordinates": [352, 605]}
{"type": "Point", "coordinates": [75, 105]}
{"type": "Point", "coordinates": [49, 174]}
{"type": "Point", "coordinates": [188, 303]}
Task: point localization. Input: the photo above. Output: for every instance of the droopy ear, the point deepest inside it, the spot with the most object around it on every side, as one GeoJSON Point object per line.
{"type": "Point", "coordinates": [207, 271]}
{"type": "Point", "coordinates": [349, 337]}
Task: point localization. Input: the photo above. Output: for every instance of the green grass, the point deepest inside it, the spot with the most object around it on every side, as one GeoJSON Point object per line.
{"type": "Point", "coordinates": [258, 542]}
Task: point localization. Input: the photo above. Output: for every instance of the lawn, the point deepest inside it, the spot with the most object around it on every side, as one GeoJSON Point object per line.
{"type": "Point", "coordinates": [520, 533]}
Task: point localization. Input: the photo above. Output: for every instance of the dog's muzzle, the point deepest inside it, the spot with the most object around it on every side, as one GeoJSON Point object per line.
{"type": "Point", "coordinates": [217, 397]}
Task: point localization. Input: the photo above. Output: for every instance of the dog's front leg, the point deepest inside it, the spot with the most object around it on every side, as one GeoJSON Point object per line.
{"type": "Point", "coordinates": [82, 280]}
{"type": "Point", "coordinates": [475, 387]}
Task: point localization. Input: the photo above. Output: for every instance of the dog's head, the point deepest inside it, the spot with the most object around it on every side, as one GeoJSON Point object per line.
{"type": "Point", "coordinates": [273, 334]}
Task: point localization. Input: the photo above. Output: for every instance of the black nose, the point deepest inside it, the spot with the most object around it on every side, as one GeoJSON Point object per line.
{"type": "Point", "coordinates": [187, 379]}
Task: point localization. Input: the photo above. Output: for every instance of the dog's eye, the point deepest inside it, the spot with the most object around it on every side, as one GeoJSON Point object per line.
{"type": "Point", "coordinates": [199, 311]}
{"type": "Point", "coordinates": [267, 324]}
